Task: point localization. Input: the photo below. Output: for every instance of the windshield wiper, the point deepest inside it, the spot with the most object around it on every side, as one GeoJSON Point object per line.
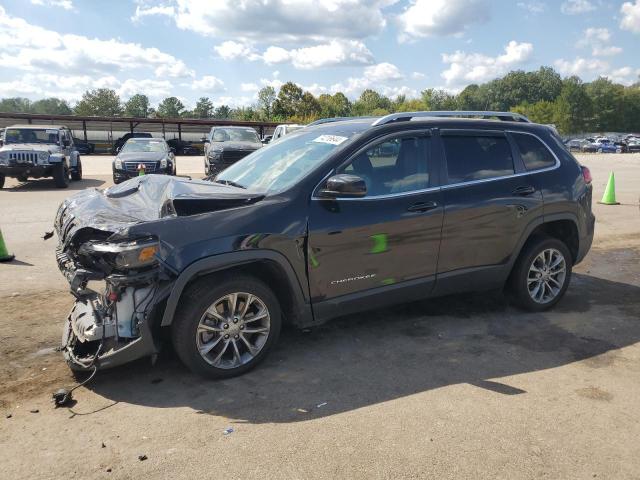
{"type": "Point", "coordinates": [231, 183]}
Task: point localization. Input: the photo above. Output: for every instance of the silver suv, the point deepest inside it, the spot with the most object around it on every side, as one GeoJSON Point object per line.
{"type": "Point", "coordinates": [36, 151]}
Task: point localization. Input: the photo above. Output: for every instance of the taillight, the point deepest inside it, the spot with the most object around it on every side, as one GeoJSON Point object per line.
{"type": "Point", "coordinates": [586, 174]}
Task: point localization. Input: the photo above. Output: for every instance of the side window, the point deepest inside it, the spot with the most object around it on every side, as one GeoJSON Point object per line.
{"type": "Point", "coordinates": [534, 153]}
{"type": "Point", "coordinates": [477, 157]}
{"type": "Point", "coordinates": [393, 166]}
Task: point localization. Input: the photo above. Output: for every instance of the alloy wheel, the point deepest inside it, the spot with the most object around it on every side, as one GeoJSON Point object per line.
{"type": "Point", "coordinates": [233, 330]}
{"type": "Point", "coordinates": [546, 276]}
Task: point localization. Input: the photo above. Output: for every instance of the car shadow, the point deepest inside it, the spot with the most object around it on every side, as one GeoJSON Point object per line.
{"type": "Point", "coordinates": [48, 184]}
{"type": "Point", "coordinates": [361, 360]}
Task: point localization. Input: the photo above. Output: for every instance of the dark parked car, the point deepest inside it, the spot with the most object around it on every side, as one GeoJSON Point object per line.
{"type": "Point", "coordinates": [151, 153]}
{"type": "Point", "coordinates": [180, 147]}
{"type": "Point", "coordinates": [575, 145]}
{"type": "Point", "coordinates": [85, 148]}
{"type": "Point", "coordinates": [123, 139]}
{"type": "Point", "coordinates": [321, 224]}
{"type": "Point", "coordinates": [226, 145]}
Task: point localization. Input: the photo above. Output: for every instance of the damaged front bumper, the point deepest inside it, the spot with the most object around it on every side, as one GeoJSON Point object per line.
{"type": "Point", "coordinates": [112, 327]}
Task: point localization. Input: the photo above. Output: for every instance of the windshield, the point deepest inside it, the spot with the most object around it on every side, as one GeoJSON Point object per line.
{"type": "Point", "coordinates": [143, 146]}
{"type": "Point", "coordinates": [31, 135]}
{"type": "Point", "coordinates": [235, 135]}
{"type": "Point", "coordinates": [278, 166]}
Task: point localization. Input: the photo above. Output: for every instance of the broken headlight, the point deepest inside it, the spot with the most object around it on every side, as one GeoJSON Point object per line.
{"type": "Point", "coordinates": [128, 255]}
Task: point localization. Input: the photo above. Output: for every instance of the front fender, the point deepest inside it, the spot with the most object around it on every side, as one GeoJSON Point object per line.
{"type": "Point", "coordinates": [227, 260]}
{"type": "Point", "coordinates": [73, 158]}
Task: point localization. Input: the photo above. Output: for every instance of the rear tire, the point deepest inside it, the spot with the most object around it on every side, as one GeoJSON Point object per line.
{"type": "Point", "coordinates": [76, 173]}
{"type": "Point", "coordinates": [61, 175]}
{"type": "Point", "coordinates": [541, 275]}
{"type": "Point", "coordinates": [2, 177]}
{"type": "Point", "coordinates": [22, 178]}
{"type": "Point", "coordinates": [225, 349]}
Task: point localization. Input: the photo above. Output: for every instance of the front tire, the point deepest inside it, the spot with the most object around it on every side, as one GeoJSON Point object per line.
{"type": "Point", "coordinates": [225, 325]}
{"type": "Point", "coordinates": [542, 274]}
{"type": "Point", "coordinates": [76, 173]}
{"type": "Point", "coordinates": [61, 175]}
{"type": "Point", "coordinates": [2, 177]}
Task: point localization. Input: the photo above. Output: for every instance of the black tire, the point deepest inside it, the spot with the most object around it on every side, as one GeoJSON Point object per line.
{"type": "Point", "coordinates": [197, 299]}
{"type": "Point", "coordinates": [2, 177]}
{"type": "Point", "coordinates": [76, 173]}
{"type": "Point", "coordinates": [22, 178]}
{"type": "Point", "coordinates": [116, 181]}
{"type": "Point", "coordinates": [61, 175]}
{"type": "Point", "coordinates": [519, 279]}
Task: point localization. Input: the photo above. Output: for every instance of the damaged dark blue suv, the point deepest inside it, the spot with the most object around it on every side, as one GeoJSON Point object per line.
{"type": "Point", "coordinates": [342, 216]}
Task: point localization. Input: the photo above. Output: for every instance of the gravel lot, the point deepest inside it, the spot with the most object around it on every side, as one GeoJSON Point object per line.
{"type": "Point", "coordinates": [460, 387]}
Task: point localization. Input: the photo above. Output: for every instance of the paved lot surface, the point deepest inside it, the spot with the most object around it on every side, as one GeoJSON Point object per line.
{"type": "Point", "coordinates": [460, 387]}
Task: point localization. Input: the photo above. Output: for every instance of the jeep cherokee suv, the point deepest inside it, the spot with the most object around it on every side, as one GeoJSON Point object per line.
{"type": "Point", "coordinates": [36, 151]}
{"type": "Point", "coordinates": [339, 217]}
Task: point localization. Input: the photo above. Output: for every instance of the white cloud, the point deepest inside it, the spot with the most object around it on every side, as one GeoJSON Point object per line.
{"type": "Point", "coordinates": [383, 72]}
{"type": "Point", "coordinates": [64, 4]}
{"type": "Point", "coordinates": [208, 83]}
{"type": "Point", "coordinates": [334, 53]}
{"type": "Point", "coordinates": [142, 11]}
{"type": "Point", "coordinates": [33, 48]}
{"type": "Point", "coordinates": [155, 89]}
{"type": "Point", "coordinates": [533, 7]}
{"type": "Point", "coordinates": [249, 87]}
{"type": "Point", "coordinates": [598, 39]}
{"type": "Point", "coordinates": [630, 16]}
{"type": "Point", "coordinates": [230, 50]}
{"type": "Point", "coordinates": [591, 68]}
{"type": "Point", "coordinates": [425, 18]}
{"type": "Point", "coordinates": [476, 67]}
{"type": "Point", "coordinates": [276, 20]}
{"type": "Point", "coordinates": [576, 7]}
{"type": "Point", "coordinates": [418, 75]}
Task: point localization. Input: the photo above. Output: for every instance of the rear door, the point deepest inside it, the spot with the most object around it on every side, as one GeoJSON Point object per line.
{"type": "Point", "coordinates": [490, 199]}
{"type": "Point", "coordinates": [382, 248]}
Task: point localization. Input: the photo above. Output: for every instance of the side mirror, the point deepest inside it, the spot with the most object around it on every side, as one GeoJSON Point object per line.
{"type": "Point", "coordinates": [66, 142]}
{"type": "Point", "coordinates": [344, 186]}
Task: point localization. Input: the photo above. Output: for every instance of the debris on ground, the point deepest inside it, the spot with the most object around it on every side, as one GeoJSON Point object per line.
{"type": "Point", "coordinates": [103, 445]}
{"type": "Point", "coordinates": [108, 470]}
{"type": "Point", "coordinates": [142, 458]}
{"type": "Point", "coordinates": [34, 410]}
{"type": "Point", "coordinates": [9, 415]}
{"type": "Point", "coordinates": [321, 404]}
{"type": "Point", "coordinates": [62, 397]}
{"type": "Point", "coordinates": [302, 410]}
{"type": "Point", "coordinates": [47, 235]}
{"type": "Point", "coordinates": [228, 431]}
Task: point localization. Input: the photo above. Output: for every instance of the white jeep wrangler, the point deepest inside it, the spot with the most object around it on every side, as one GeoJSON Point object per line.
{"type": "Point", "coordinates": [36, 151]}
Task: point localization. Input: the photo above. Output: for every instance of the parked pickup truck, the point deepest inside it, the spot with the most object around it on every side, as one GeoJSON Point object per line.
{"type": "Point", "coordinates": [339, 217]}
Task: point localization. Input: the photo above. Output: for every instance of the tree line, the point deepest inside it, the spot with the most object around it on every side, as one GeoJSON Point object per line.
{"type": "Point", "coordinates": [543, 95]}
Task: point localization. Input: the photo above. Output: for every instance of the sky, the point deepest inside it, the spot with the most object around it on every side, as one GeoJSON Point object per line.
{"type": "Point", "coordinates": [228, 49]}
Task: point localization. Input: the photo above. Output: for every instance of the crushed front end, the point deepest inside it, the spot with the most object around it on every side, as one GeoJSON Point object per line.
{"type": "Point", "coordinates": [118, 283]}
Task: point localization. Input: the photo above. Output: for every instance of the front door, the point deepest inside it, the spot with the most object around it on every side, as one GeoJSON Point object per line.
{"type": "Point", "coordinates": [388, 240]}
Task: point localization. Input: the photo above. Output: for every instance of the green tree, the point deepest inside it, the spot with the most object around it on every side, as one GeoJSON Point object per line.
{"type": "Point", "coordinates": [137, 106]}
{"type": "Point", "coordinates": [99, 102]}
{"type": "Point", "coordinates": [435, 99]}
{"type": "Point", "coordinates": [370, 101]}
{"type": "Point", "coordinates": [413, 105]}
{"type": "Point", "coordinates": [266, 98]}
{"type": "Point", "coordinates": [288, 101]}
{"type": "Point", "coordinates": [471, 98]}
{"type": "Point", "coordinates": [540, 112]}
{"type": "Point", "coordinates": [574, 108]}
{"type": "Point", "coordinates": [203, 109]}
{"type": "Point", "coordinates": [631, 108]}
{"type": "Point", "coordinates": [51, 106]}
{"type": "Point", "coordinates": [222, 112]}
{"type": "Point", "coordinates": [336, 105]}
{"type": "Point", "coordinates": [15, 105]}
{"type": "Point", "coordinates": [607, 99]}
{"type": "Point", "coordinates": [308, 107]}
{"type": "Point", "coordinates": [170, 107]}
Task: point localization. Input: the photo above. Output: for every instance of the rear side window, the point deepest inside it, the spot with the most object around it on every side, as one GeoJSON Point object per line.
{"type": "Point", "coordinates": [534, 153]}
{"type": "Point", "coordinates": [477, 157]}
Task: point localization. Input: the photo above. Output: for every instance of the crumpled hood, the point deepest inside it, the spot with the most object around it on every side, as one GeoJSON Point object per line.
{"type": "Point", "coordinates": [145, 199]}
{"type": "Point", "coordinates": [36, 147]}
{"type": "Point", "coordinates": [141, 156]}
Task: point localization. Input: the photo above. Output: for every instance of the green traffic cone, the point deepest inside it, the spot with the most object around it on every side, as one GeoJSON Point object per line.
{"type": "Point", "coordinates": [4, 254]}
{"type": "Point", "coordinates": [609, 197]}
{"type": "Point", "coordinates": [141, 170]}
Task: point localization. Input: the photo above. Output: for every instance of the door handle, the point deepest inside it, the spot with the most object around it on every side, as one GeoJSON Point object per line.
{"type": "Point", "coordinates": [422, 206]}
{"type": "Point", "coordinates": [524, 190]}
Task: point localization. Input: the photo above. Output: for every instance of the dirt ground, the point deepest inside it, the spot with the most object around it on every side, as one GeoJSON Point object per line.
{"type": "Point", "coordinates": [459, 387]}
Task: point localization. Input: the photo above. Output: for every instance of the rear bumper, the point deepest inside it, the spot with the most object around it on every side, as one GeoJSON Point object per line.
{"type": "Point", "coordinates": [586, 239]}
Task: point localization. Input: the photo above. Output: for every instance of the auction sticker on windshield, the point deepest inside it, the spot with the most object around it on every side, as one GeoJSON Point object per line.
{"type": "Point", "coordinates": [331, 139]}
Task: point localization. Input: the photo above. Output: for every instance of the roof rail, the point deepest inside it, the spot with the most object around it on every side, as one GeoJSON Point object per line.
{"type": "Point", "coordinates": [333, 119]}
{"type": "Point", "coordinates": [406, 116]}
